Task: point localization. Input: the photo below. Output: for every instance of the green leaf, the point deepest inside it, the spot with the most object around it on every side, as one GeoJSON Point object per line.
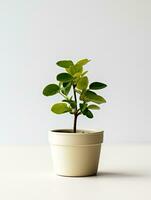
{"type": "Point", "coordinates": [65, 63]}
{"type": "Point", "coordinates": [66, 88]}
{"type": "Point", "coordinates": [83, 106]}
{"type": "Point", "coordinates": [97, 86]}
{"type": "Point", "coordinates": [71, 102]}
{"type": "Point", "coordinates": [64, 77]}
{"type": "Point", "coordinates": [92, 96]}
{"type": "Point", "coordinates": [74, 69]}
{"type": "Point", "coordinates": [84, 73]}
{"type": "Point", "coordinates": [79, 65]}
{"type": "Point", "coordinates": [82, 62]}
{"type": "Point", "coordinates": [50, 90]}
{"type": "Point", "coordinates": [71, 70]}
{"type": "Point", "coordinates": [77, 75]}
{"type": "Point", "coordinates": [93, 107]}
{"type": "Point", "coordinates": [65, 84]}
{"type": "Point", "coordinates": [60, 108]}
{"type": "Point", "coordinates": [78, 68]}
{"type": "Point", "coordinates": [85, 111]}
{"type": "Point", "coordinates": [82, 83]}
{"type": "Point", "coordinates": [88, 113]}
{"type": "Point", "coordinates": [82, 95]}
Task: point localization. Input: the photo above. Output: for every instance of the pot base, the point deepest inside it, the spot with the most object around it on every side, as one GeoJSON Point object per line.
{"type": "Point", "coordinates": [76, 176]}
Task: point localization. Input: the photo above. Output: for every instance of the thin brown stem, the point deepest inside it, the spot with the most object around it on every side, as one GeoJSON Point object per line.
{"type": "Point", "coordinates": [75, 123]}
{"type": "Point", "coordinates": [76, 111]}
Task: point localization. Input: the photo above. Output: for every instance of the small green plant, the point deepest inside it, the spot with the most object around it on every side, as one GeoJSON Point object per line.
{"type": "Point", "coordinates": [79, 102]}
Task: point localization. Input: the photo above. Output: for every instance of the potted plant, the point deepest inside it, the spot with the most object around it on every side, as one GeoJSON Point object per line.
{"type": "Point", "coordinates": [75, 152]}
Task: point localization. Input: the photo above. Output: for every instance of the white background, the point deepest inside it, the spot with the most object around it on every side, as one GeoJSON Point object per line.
{"type": "Point", "coordinates": [34, 34]}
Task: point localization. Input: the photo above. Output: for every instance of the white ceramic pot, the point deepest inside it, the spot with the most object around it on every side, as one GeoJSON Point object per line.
{"type": "Point", "coordinates": [75, 154]}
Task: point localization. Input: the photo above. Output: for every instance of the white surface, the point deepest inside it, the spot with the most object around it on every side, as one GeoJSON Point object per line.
{"type": "Point", "coordinates": [34, 34]}
{"type": "Point", "coordinates": [26, 173]}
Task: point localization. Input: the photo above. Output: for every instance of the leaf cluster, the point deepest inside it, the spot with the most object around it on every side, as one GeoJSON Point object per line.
{"type": "Point", "coordinates": [84, 98]}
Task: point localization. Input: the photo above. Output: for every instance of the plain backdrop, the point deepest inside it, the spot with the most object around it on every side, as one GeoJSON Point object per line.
{"type": "Point", "coordinates": [115, 35]}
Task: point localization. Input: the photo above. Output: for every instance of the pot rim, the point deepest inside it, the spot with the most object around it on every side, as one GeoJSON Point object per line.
{"type": "Point", "coordinates": [80, 132]}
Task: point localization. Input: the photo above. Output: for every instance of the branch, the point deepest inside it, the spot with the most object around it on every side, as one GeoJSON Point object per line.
{"type": "Point", "coordinates": [66, 97]}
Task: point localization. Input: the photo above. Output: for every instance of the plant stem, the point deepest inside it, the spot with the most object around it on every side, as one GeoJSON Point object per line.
{"type": "Point", "coordinates": [76, 111]}
{"type": "Point", "coordinates": [64, 95]}
{"type": "Point", "coordinates": [75, 123]}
